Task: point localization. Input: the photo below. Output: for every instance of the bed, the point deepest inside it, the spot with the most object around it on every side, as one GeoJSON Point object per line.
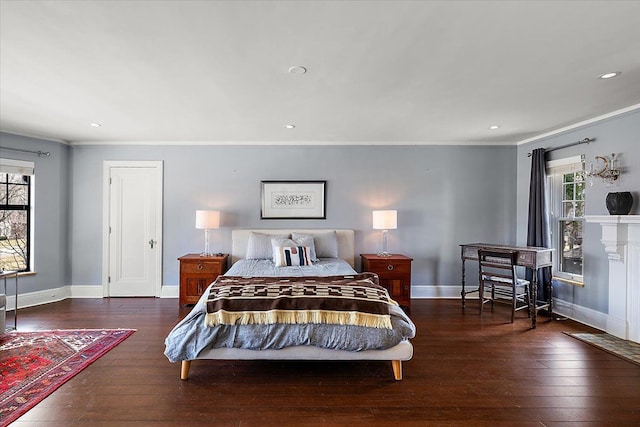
{"type": "Point", "coordinates": [252, 261]}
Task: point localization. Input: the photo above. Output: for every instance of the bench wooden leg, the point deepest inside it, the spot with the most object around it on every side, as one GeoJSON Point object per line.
{"type": "Point", "coordinates": [184, 369]}
{"type": "Point", "coordinates": [397, 369]}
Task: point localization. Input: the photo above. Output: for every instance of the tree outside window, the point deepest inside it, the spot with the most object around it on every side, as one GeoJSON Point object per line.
{"type": "Point", "coordinates": [566, 179]}
{"type": "Point", "coordinates": [571, 222]}
{"type": "Point", "coordinates": [15, 194]}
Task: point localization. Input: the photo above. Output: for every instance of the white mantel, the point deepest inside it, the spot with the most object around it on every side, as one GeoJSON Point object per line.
{"type": "Point", "coordinates": [621, 240]}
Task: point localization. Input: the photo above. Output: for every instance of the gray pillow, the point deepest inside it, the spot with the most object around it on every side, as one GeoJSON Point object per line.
{"type": "Point", "coordinates": [325, 242]}
{"type": "Point", "coordinates": [259, 245]}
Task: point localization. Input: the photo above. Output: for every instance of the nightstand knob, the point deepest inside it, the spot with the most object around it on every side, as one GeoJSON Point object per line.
{"type": "Point", "coordinates": [390, 267]}
{"type": "Point", "coordinates": [200, 266]}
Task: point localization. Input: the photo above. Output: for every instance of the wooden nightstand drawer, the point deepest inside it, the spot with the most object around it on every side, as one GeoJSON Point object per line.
{"type": "Point", "coordinates": [202, 267]}
{"type": "Point", "coordinates": [390, 267]}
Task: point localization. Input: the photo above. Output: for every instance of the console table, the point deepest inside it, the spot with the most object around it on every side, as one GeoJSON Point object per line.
{"type": "Point", "coordinates": [5, 275]}
{"type": "Point", "coordinates": [527, 256]}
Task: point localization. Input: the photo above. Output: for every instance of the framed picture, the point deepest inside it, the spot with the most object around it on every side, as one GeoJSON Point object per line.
{"type": "Point", "coordinates": [293, 200]}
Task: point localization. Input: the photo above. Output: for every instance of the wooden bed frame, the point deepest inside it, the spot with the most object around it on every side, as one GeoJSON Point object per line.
{"type": "Point", "coordinates": [397, 354]}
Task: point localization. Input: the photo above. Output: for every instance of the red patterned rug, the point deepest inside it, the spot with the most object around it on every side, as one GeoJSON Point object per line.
{"type": "Point", "coordinates": [34, 364]}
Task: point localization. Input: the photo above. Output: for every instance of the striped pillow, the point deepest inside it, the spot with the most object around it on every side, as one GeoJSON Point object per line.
{"type": "Point", "coordinates": [291, 255]}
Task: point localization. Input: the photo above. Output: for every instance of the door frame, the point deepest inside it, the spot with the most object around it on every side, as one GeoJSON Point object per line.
{"type": "Point", "coordinates": [106, 208]}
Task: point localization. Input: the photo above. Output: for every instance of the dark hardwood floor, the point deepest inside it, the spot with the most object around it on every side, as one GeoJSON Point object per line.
{"type": "Point", "coordinates": [465, 372]}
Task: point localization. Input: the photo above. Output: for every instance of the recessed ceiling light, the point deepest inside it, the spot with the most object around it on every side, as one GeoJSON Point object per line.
{"type": "Point", "coordinates": [96, 125]}
{"type": "Point", "coordinates": [609, 75]}
{"type": "Point", "coordinates": [297, 69]}
{"type": "Point", "coordinates": [290, 126]}
{"type": "Point", "coordinates": [494, 127]}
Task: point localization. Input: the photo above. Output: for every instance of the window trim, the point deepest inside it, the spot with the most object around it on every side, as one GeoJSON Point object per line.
{"type": "Point", "coordinates": [555, 170]}
{"type": "Point", "coordinates": [24, 168]}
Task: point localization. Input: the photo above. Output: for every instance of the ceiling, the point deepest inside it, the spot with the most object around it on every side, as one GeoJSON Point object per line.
{"type": "Point", "coordinates": [378, 72]}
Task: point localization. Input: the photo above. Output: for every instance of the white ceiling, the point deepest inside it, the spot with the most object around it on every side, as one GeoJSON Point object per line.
{"type": "Point", "coordinates": [431, 72]}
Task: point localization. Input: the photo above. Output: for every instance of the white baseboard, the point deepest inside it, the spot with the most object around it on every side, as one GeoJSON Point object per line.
{"type": "Point", "coordinates": [170, 291]}
{"type": "Point", "coordinates": [166, 291]}
{"type": "Point", "coordinates": [86, 291]}
{"type": "Point", "coordinates": [432, 291]}
{"type": "Point", "coordinates": [587, 316]}
{"type": "Point", "coordinates": [580, 314]}
{"type": "Point", "coordinates": [38, 298]}
{"type": "Point", "coordinates": [32, 299]}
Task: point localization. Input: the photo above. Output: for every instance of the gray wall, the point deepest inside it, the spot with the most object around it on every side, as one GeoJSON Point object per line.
{"type": "Point", "coordinates": [615, 135]}
{"type": "Point", "coordinates": [444, 196]}
{"type": "Point", "coordinates": [52, 197]}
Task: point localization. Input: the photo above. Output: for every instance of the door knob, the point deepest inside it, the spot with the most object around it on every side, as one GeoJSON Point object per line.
{"type": "Point", "coordinates": [152, 242]}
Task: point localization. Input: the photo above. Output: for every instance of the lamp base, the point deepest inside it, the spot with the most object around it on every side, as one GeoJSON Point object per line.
{"type": "Point", "coordinates": [384, 252]}
{"type": "Point", "coordinates": [206, 244]}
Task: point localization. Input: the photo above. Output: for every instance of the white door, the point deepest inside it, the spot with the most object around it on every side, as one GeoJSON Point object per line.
{"type": "Point", "coordinates": [133, 227]}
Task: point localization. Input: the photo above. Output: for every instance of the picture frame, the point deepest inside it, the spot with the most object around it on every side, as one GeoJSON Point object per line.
{"type": "Point", "coordinates": [293, 200]}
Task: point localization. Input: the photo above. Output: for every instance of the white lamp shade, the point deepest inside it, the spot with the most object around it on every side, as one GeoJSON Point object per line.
{"type": "Point", "coordinates": [207, 220]}
{"type": "Point", "coordinates": [385, 220]}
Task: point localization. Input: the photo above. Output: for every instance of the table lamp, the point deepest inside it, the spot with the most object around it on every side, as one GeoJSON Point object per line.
{"type": "Point", "coordinates": [385, 220]}
{"type": "Point", "coordinates": [207, 220]}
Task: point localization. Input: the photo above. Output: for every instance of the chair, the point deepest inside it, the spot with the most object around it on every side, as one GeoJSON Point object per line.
{"type": "Point", "coordinates": [497, 272]}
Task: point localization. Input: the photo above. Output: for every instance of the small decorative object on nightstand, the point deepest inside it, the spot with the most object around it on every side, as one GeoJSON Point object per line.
{"type": "Point", "coordinates": [394, 272]}
{"type": "Point", "coordinates": [197, 272]}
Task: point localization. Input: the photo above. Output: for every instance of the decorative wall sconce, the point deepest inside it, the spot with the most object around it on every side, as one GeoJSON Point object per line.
{"type": "Point", "coordinates": [606, 168]}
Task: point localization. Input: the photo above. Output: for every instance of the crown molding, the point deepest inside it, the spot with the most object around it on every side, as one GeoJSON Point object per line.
{"type": "Point", "coordinates": [580, 124]}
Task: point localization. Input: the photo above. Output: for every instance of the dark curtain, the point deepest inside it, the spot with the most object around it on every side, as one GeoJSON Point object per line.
{"type": "Point", "coordinates": [538, 229]}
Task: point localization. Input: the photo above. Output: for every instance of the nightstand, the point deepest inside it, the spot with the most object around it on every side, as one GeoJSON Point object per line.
{"type": "Point", "coordinates": [197, 272]}
{"type": "Point", "coordinates": [394, 272]}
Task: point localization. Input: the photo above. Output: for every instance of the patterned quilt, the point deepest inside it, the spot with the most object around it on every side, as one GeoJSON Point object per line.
{"type": "Point", "coordinates": [341, 300]}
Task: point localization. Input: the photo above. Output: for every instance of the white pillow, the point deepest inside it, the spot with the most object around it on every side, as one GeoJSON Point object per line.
{"type": "Point", "coordinates": [291, 255]}
{"type": "Point", "coordinates": [302, 240]}
{"type": "Point", "coordinates": [326, 243]}
{"type": "Point", "coordinates": [259, 245]}
{"type": "Point", "coordinates": [277, 242]}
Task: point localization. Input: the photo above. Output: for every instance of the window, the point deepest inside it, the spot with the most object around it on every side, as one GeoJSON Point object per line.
{"type": "Point", "coordinates": [566, 185]}
{"type": "Point", "coordinates": [15, 214]}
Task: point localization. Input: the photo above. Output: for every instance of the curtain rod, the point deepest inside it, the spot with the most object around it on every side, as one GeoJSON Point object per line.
{"type": "Point", "coordinates": [584, 141]}
{"type": "Point", "coordinates": [39, 153]}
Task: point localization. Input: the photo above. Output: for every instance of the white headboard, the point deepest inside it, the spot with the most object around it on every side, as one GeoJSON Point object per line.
{"type": "Point", "coordinates": [240, 238]}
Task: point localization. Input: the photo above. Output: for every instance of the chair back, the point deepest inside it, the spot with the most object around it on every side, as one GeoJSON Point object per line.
{"type": "Point", "coordinates": [497, 265]}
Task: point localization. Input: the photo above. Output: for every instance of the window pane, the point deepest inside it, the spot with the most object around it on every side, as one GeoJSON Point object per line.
{"type": "Point", "coordinates": [568, 210]}
{"type": "Point", "coordinates": [580, 190]}
{"type": "Point", "coordinates": [16, 179]}
{"type": "Point", "coordinates": [3, 193]}
{"type": "Point", "coordinates": [13, 240]}
{"type": "Point", "coordinates": [568, 192]}
{"type": "Point", "coordinates": [571, 250]}
{"type": "Point", "coordinates": [17, 194]}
